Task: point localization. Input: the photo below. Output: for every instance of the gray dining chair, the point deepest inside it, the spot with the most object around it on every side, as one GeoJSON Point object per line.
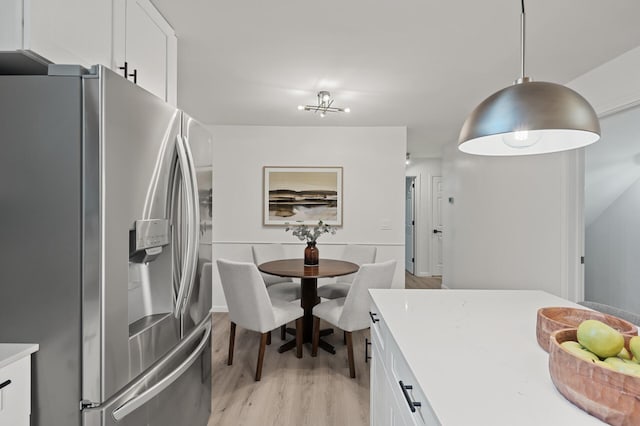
{"type": "Point", "coordinates": [251, 307]}
{"type": "Point", "coordinates": [352, 253]}
{"type": "Point", "coordinates": [277, 287]}
{"type": "Point", "coordinates": [351, 313]}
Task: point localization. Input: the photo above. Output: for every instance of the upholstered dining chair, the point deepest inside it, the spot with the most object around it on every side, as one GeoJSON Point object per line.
{"type": "Point", "coordinates": [250, 307]}
{"type": "Point", "coordinates": [277, 287]}
{"type": "Point", "coordinates": [351, 313]}
{"type": "Point", "coordinates": [352, 253]}
{"type": "Point", "coordinates": [612, 310]}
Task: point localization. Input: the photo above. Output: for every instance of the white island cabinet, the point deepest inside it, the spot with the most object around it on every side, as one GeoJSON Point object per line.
{"type": "Point", "coordinates": [15, 383]}
{"type": "Point", "coordinates": [463, 357]}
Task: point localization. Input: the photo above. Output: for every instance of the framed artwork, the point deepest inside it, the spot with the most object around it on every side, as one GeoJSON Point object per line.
{"type": "Point", "coordinates": [302, 195]}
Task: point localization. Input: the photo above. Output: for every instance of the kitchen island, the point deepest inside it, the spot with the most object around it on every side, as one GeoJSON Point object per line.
{"type": "Point", "coordinates": [463, 357]}
{"type": "Point", "coordinates": [15, 383]}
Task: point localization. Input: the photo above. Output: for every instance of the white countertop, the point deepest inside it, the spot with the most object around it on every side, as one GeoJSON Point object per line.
{"type": "Point", "coordinates": [10, 352]}
{"type": "Point", "coordinates": [475, 355]}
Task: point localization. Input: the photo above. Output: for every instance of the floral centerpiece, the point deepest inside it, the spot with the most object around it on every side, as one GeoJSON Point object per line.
{"type": "Point", "coordinates": [310, 234]}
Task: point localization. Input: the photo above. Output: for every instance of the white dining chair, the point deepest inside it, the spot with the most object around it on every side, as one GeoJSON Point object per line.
{"type": "Point", "coordinates": [251, 307]}
{"type": "Point", "coordinates": [278, 287]}
{"type": "Point", "coordinates": [351, 313]}
{"type": "Point", "coordinates": [352, 253]}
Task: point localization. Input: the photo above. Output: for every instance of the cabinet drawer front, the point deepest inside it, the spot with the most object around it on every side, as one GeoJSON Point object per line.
{"type": "Point", "coordinates": [379, 332]}
{"type": "Point", "coordinates": [400, 372]}
{"type": "Point", "coordinates": [15, 397]}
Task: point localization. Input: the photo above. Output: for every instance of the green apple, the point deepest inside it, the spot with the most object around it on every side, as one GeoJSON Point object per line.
{"type": "Point", "coordinates": [600, 339]}
{"type": "Point", "coordinates": [634, 346]}
{"type": "Point", "coordinates": [622, 366]}
{"type": "Point", "coordinates": [579, 351]}
{"type": "Point", "coordinates": [624, 354]}
{"type": "Point", "coordinates": [605, 365]}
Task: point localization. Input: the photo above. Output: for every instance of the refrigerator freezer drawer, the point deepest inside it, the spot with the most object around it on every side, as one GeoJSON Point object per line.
{"type": "Point", "coordinates": [174, 391]}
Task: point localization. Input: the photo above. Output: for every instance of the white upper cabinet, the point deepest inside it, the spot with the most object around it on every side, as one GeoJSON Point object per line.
{"type": "Point", "coordinates": [61, 31]}
{"type": "Point", "coordinates": [146, 43]}
{"type": "Point", "coordinates": [89, 32]}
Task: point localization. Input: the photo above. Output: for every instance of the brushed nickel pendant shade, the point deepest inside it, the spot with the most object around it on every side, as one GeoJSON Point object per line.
{"type": "Point", "coordinates": [529, 118]}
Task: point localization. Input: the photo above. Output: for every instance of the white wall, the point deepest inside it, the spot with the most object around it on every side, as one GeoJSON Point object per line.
{"type": "Point", "coordinates": [613, 253]}
{"type": "Point", "coordinates": [510, 222]}
{"type": "Point", "coordinates": [612, 200]}
{"type": "Point", "coordinates": [424, 169]}
{"type": "Point", "coordinates": [373, 161]}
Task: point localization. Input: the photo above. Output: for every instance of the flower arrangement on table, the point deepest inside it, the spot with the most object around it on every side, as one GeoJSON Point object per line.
{"type": "Point", "coordinates": [310, 234]}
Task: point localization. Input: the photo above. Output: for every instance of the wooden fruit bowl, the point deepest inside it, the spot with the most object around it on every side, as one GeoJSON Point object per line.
{"type": "Point", "coordinates": [606, 394]}
{"type": "Point", "coordinates": [556, 318]}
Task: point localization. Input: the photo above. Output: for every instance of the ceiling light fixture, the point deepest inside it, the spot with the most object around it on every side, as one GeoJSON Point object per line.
{"type": "Point", "coordinates": [325, 105]}
{"type": "Point", "coordinates": [529, 118]}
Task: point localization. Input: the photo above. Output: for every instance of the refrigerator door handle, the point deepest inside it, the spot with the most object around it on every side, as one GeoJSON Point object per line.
{"type": "Point", "coordinates": [195, 236]}
{"type": "Point", "coordinates": [138, 401]}
{"type": "Point", "coordinates": [191, 227]}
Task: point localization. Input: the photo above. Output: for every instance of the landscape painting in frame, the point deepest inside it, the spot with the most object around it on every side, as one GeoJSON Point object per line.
{"type": "Point", "coordinates": [302, 195]}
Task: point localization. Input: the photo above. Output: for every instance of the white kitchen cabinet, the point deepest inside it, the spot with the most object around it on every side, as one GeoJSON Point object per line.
{"type": "Point", "coordinates": [389, 405]}
{"type": "Point", "coordinates": [15, 383]}
{"type": "Point", "coordinates": [61, 31]}
{"type": "Point", "coordinates": [146, 44]}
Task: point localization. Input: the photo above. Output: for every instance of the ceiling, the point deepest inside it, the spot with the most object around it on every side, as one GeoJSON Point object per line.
{"type": "Point", "coordinates": [415, 63]}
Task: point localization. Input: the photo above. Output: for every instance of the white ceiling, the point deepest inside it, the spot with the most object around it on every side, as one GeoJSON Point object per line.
{"type": "Point", "coordinates": [416, 63]}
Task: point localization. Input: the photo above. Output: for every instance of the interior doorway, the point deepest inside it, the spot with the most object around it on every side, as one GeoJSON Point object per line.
{"type": "Point", "coordinates": [410, 224]}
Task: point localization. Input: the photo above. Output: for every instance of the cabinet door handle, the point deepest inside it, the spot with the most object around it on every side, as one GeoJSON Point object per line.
{"type": "Point", "coordinates": [135, 76]}
{"type": "Point", "coordinates": [5, 384]}
{"type": "Point", "coordinates": [373, 317]}
{"type": "Point", "coordinates": [125, 70]}
{"type": "Point", "coordinates": [367, 343]}
{"type": "Point", "coordinates": [412, 404]}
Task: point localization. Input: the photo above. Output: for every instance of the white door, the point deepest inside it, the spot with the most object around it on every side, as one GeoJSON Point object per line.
{"type": "Point", "coordinates": [409, 224]}
{"type": "Point", "coordinates": [436, 222]}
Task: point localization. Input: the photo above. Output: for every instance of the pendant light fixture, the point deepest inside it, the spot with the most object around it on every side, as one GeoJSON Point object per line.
{"type": "Point", "coordinates": [529, 118]}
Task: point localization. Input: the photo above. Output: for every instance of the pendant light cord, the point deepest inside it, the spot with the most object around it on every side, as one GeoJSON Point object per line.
{"type": "Point", "coordinates": [522, 75]}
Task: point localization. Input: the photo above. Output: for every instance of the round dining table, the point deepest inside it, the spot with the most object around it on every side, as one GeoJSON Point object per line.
{"type": "Point", "coordinates": [295, 268]}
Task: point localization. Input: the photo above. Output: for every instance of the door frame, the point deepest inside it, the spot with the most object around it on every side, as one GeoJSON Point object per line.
{"type": "Point", "coordinates": [414, 203]}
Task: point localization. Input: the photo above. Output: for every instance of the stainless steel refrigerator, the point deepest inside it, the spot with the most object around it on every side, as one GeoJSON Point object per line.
{"type": "Point", "coordinates": [105, 262]}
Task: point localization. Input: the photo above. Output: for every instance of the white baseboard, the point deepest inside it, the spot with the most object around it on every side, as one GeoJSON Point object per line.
{"type": "Point", "coordinates": [219, 308]}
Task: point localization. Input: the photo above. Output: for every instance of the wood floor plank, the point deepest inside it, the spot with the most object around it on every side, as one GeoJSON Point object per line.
{"type": "Point", "coordinates": [298, 392]}
{"type": "Point", "coordinates": [412, 281]}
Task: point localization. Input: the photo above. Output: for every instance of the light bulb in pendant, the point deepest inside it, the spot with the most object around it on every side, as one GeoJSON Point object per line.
{"type": "Point", "coordinates": [520, 139]}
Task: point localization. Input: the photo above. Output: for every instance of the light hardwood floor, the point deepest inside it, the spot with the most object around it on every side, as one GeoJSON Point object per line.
{"type": "Point", "coordinates": [411, 281]}
{"type": "Point", "coordinates": [292, 392]}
